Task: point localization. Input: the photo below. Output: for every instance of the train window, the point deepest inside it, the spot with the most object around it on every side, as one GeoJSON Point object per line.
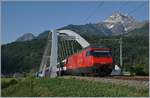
{"type": "Point", "coordinates": [101, 53]}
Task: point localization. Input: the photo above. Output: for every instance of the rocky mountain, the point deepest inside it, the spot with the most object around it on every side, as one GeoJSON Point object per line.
{"type": "Point", "coordinates": [90, 29]}
{"type": "Point", "coordinates": [114, 25]}
{"type": "Point", "coordinates": [120, 23]}
{"type": "Point", "coordinates": [43, 34]}
{"type": "Point", "coordinates": [26, 37]}
{"type": "Point", "coordinates": [143, 31]}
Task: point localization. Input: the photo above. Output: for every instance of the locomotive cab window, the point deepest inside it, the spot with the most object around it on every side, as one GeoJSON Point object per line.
{"type": "Point", "coordinates": [98, 53]}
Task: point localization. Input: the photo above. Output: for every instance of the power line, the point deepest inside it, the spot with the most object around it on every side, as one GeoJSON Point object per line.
{"type": "Point", "coordinates": [140, 6]}
{"type": "Point", "coordinates": [123, 5]}
{"type": "Point", "coordinates": [94, 11]}
{"type": "Point", "coordinates": [134, 10]}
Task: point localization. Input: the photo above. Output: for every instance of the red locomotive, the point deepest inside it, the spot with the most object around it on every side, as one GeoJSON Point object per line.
{"type": "Point", "coordinates": [91, 60]}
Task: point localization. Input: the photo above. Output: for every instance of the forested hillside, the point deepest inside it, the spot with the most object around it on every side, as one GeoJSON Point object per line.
{"type": "Point", "coordinates": [22, 56]}
{"type": "Point", "coordinates": [26, 56]}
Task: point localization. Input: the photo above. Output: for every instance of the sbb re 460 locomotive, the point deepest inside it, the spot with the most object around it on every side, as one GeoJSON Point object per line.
{"type": "Point", "coordinates": [90, 61]}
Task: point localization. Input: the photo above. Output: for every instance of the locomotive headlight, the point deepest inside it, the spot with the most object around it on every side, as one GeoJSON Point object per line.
{"type": "Point", "coordinates": [64, 68]}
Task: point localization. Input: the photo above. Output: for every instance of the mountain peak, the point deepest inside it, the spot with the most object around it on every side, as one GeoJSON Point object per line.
{"type": "Point", "coordinates": [26, 37]}
{"type": "Point", "coordinates": [118, 17]}
{"type": "Point", "coordinates": [120, 23]}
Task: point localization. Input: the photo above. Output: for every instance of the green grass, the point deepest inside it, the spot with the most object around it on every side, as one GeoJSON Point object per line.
{"type": "Point", "coordinates": [31, 87]}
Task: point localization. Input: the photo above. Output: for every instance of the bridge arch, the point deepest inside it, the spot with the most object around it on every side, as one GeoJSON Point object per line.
{"type": "Point", "coordinates": [78, 38]}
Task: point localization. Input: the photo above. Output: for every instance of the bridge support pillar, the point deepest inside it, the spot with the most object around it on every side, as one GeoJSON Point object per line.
{"type": "Point", "coordinates": [54, 54]}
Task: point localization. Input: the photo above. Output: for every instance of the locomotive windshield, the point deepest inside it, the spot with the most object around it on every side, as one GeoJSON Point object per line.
{"type": "Point", "coordinates": [99, 53]}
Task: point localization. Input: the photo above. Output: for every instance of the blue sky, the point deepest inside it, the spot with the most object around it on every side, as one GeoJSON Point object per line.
{"type": "Point", "coordinates": [35, 17]}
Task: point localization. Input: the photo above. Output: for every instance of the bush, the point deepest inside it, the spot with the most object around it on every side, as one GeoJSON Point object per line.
{"type": "Point", "coordinates": [139, 71]}
{"type": "Point", "coordinates": [13, 81]}
{"type": "Point", "coordinates": [6, 83]}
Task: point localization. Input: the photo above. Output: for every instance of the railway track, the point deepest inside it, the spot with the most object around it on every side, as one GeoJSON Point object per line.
{"type": "Point", "coordinates": [131, 81]}
{"type": "Point", "coordinates": [137, 78]}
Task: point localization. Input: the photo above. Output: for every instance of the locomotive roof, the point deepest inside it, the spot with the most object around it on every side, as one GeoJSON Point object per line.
{"type": "Point", "coordinates": [96, 46]}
